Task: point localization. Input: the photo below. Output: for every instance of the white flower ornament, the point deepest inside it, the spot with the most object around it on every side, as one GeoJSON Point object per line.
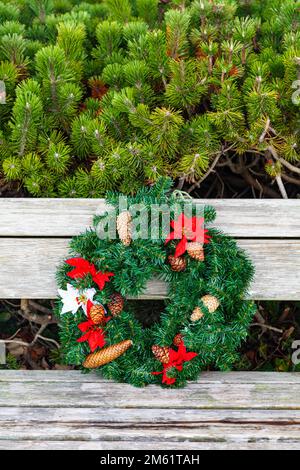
{"type": "Point", "coordinates": [73, 299]}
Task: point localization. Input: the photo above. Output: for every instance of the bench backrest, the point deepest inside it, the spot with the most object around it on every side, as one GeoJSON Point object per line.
{"type": "Point", "coordinates": [34, 235]}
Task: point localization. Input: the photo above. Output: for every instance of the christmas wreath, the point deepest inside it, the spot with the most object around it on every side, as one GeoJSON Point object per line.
{"type": "Point", "coordinates": [205, 317]}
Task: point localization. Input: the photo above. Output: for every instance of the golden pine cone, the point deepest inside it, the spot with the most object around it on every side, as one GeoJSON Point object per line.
{"type": "Point", "coordinates": [106, 355]}
{"type": "Point", "coordinates": [124, 227]}
{"type": "Point", "coordinates": [161, 353]}
{"type": "Point", "coordinates": [116, 304]}
{"type": "Point", "coordinates": [177, 264]}
{"type": "Point", "coordinates": [197, 314]}
{"type": "Point", "coordinates": [195, 250]}
{"type": "Point", "coordinates": [178, 339]}
{"type": "Point", "coordinates": [97, 314]}
{"type": "Point", "coordinates": [210, 302]}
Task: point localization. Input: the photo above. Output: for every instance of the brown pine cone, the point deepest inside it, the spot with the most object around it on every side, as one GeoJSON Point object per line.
{"type": "Point", "coordinates": [116, 304]}
{"type": "Point", "coordinates": [124, 227]}
{"type": "Point", "coordinates": [178, 339]}
{"type": "Point", "coordinates": [177, 264]}
{"type": "Point", "coordinates": [106, 355]}
{"type": "Point", "coordinates": [195, 250]}
{"type": "Point", "coordinates": [97, 314]}
{"type": "Point", "coordinates": [210, 302]}
{"type": "Point", "coordinates": [161, 353]}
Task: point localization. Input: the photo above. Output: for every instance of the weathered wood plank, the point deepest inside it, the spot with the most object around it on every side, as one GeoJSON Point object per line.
{"type": "Point", "coordinates": [198, 395]}
{"type": "Point", "coordinates": [146, 445]}
{"type": "Point", "coordinates": [67, 217]}
{"type": "Point", "coordinates": [235, 433]}
{"type": "Point", "coordinates": [27, 268]}
{"type": "Point", "coordinates": [219, 411]}
{"type": "Point", "coordinates": [206, 377]}
{"type": "Point", "coordinates": [137, 416]}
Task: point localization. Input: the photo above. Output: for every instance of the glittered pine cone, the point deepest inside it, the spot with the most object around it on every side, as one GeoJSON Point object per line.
{"type": "Point", "coordinates": [210, 302]}
{"type": "Point", "coordinates": [124, 227]}
{"type": "Point", "coordinates": [116, 304]}
{"type": "Point", "coordinates": [195, 250]}
{"type": "Point", "coordinates": [197, 314]}
{"type": "Point", "coordinates": [161, 353]}
{"type": "Point", "coordinates": [106, 355]}
{"type": "Point", "coordinates": [97, 314]}
{"type": "Point", "coordinates": [178, 339]}
{"type": "Point", "coordinates": [177, 263]}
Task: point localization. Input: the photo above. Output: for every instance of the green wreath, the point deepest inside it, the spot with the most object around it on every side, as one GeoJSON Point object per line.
{"type": "Point", "coordinates": [205, 317]}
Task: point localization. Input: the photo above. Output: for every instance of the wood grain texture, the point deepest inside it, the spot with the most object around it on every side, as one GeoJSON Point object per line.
{"type": "Point", "coordinates": [247, 218]}
{"type": "Point", "coordinates": [182, 432]}
{"type": "Point", "coordinates": [138, 416]}
{"type": "Point", "coordinates": [196, 396]}
{"type": "Point", "coordinates": [149, 446]}
{"type": "Point", "coordinates": [28, 266]}
{"type": "Point", "coordinates": [45, 410]}
{"type": "Point", "coordinates": [92, 377]}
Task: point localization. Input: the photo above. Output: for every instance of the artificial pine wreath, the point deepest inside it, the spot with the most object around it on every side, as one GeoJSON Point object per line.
{"type": "Point", "coordinates": [205, 317]}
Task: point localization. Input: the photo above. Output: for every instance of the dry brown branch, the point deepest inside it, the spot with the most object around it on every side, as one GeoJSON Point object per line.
{"type": "Point", "coordinates": [39, 307]}
{"type": "Point", "coordinates": [211, 168]}
{"type": "Point", "coordinates": [37, 336]}
{"type": "Point", "coordinates": [268, 327]}
{"type": "Point", "coordinates": [290, 179]}
{"type": "Point", "coordinates": [27, 313]}
{"type": "Point", "coordinates": [281, 187]}
{"type": "Point", "coordinates": [264, 133]}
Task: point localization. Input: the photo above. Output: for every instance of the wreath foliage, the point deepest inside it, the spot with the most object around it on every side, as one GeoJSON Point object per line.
{"type": "Point", "coordinates": [105, 267]}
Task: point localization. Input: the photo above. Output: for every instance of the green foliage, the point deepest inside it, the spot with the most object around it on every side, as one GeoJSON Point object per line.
{"type": "Point", "coordinates": [139, 89]}
{"type": "Point", "coordinates": [225, 273]}
{"type": "Point", "coordinates": [11, 363]}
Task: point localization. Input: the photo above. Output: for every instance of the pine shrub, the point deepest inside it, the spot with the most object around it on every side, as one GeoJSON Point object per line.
{"type": "Point", "coordinates": [114, 94]}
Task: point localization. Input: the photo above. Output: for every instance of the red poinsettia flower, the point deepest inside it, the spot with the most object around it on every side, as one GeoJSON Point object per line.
{"type": "Point", "coordinates": [82, 267]}
{"type": "Point", "coordinates": [177, 358]}
{"type": "Point", "coordinates": [93, 333]}
{"type": "Point", "coordinates": [187, 230]}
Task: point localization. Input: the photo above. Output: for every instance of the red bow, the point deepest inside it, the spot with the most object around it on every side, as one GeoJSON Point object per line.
{"type": "Point", "coordinates": [93, 333]}
{"type": "Point", "coordinates": [187, 229]}
{"type": "Point", "coordinates": [82, 267]}
{"type": "Point", "coordinates": [177, 358]}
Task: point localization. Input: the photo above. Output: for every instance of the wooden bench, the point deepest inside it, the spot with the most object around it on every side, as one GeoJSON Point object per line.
{"type": "Point", "coordinates": [65, 409]}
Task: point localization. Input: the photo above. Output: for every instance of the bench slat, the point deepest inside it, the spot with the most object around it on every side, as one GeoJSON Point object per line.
{"type": "Point", "coordinates": [196, 396]}
{"type": "Point", "coordinates": [112, 416]}
{"type": "Point", "coordinates": [27, 269]}
{"type": "Point", "coordinates": [232, 434]}
{"type": "Point", "coordinates": [67, 217]}
{"type": "Point", "coordinates": [234, 410]}
{"type": "Point", "coordinates": [206, 377]}
{"type": "Point", "coordinates": [151, 446]}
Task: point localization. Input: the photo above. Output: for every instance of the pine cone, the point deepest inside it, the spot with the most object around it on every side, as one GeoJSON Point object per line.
{"type": "Point", "coordinates": [197, 314]}
{"type": "Point", "coordinates": [210, 302]}
{"type": "Point", "coordinates": [106, 355]}
{"type": "Point", "coordinates": [124, 227]}
{"type": "Point", "coordinates": [177, 264]}
{"type": "Point", "coordinates": [196, 251]}
{"type": "Point", "coordinates": [161, 353]}
{"type": "Point", "coordinates": [116, 304]}
{"type": "Point", "coordinates": [178, 339]}
{"type": "Point", "coordinates": [97, 314]}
